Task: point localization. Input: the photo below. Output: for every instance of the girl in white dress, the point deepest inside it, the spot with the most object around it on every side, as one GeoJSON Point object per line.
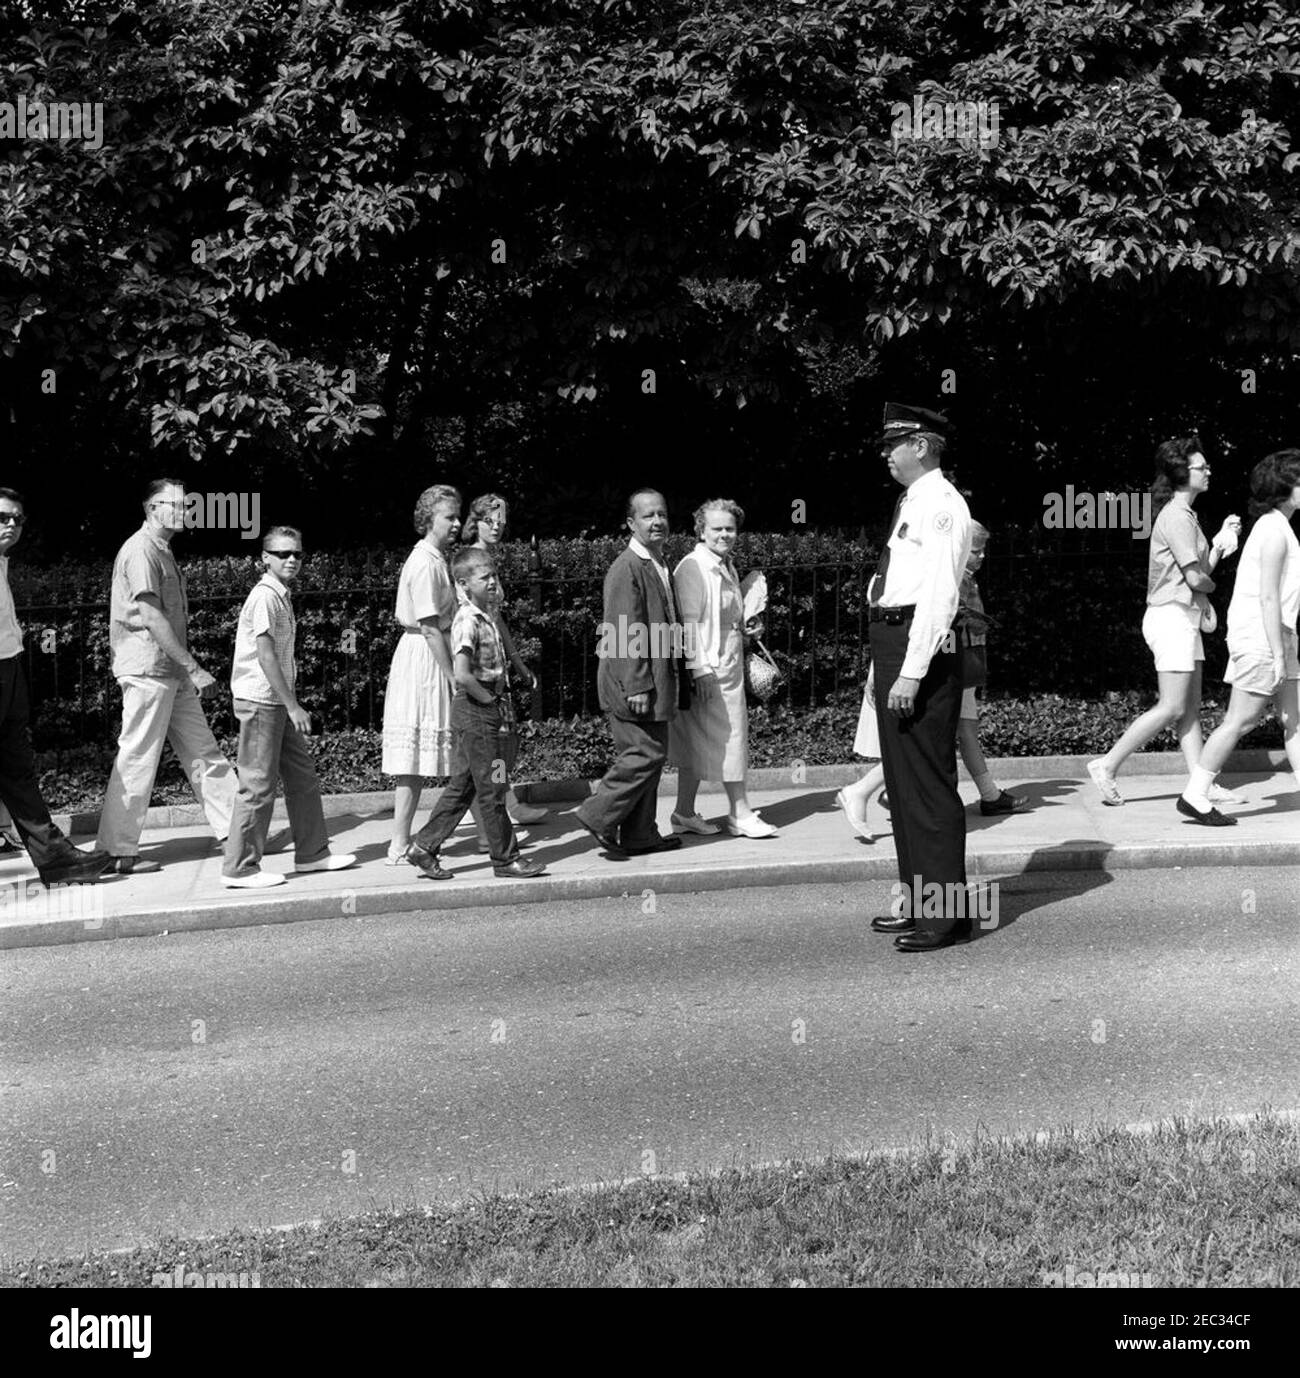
{"type": "Point", "coordinates": [710, 740]}
{"type": "Point", "coordinates": [1263, 666]}
{"type": "Point", "coordinates": [417, 706]}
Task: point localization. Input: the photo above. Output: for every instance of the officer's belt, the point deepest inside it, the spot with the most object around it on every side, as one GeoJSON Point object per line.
{"type": "Point", "coordinates": [895, 617]}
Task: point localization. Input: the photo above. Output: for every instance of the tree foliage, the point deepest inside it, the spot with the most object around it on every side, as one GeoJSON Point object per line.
{"type": "Point", "coordinates": [507, 240]}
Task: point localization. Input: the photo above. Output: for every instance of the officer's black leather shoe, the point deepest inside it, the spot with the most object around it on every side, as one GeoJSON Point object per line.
{"type": "Point", "coordinates": [888, 924]}
{"type": "Point", "coordinates": [925, 941]}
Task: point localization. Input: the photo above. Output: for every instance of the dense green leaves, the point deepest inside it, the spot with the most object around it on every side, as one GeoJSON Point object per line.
{"type": "Point", "coordinates": [349, 229]}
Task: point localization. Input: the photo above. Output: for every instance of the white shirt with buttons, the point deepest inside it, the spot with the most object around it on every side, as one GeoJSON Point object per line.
{"type": "Point", "coordinates": [928, 550]}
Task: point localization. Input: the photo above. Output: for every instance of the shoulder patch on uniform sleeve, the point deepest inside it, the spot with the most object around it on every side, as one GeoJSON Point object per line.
{"type": "Point", "coordinates": [943, 521]}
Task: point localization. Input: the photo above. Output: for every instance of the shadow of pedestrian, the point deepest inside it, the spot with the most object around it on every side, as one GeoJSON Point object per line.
{"type": "Point", "coordinates": [1043, 882]}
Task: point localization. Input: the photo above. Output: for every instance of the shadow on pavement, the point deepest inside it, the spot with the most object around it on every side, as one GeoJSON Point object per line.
{"type": "Point", "coordinates": [1023, 893]}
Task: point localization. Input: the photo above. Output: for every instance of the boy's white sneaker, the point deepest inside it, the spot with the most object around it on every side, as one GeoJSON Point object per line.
{"type": "Point", "coordinates": [255, 880]}
{"type": "Point", "coordinates": [336, 861]}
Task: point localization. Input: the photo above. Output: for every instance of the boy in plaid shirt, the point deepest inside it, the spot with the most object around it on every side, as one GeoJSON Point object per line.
{"type": "Point", "coordinates": [476, 725]}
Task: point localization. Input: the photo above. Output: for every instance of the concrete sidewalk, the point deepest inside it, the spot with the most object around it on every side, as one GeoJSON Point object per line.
{"type": "Point", "coordinates": [1067, 828]}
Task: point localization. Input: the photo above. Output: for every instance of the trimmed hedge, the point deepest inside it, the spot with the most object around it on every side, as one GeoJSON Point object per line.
{"type": "Point", "coordinates": [581, 748]}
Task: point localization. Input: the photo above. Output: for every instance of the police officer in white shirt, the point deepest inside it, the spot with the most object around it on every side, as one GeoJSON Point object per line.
{"type": "Point", "coordinates": [916, 681]}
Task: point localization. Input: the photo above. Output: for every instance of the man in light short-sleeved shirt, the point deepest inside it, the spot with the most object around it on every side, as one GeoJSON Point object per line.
{"type": "Point", "coordinates": [161, 683]}
{"type": "Point", "coordinates": [272, 725]}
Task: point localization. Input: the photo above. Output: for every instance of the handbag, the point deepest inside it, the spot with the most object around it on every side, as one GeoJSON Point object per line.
{"type": "Point", "coordinates": [762, 675]}
{"type": "Point", "coordinates": [974, 667]}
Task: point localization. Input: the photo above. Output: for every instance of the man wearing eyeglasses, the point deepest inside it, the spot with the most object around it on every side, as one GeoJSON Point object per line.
{"type": "Point", "coordinates": [161, 685]}
{"type": "Point", "coordinates": [56, 860]}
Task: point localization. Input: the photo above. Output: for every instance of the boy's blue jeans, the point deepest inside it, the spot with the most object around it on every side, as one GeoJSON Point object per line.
{"type": "Point", "coordinates": [270, 749]}
{"type": "Point", "coordinates": [478, 771]}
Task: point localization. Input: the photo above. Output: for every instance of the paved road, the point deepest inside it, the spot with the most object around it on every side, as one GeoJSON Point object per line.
{"type": "Point", "coordinates": [196, 1082]}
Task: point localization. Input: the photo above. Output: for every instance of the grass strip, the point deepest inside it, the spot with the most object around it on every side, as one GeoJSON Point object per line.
{"type": "Point", "coordinates": [1195, 1203]}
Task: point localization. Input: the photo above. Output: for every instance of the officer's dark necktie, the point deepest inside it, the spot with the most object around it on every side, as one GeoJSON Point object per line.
{"type": "Point", "coordinates": [877, 588]}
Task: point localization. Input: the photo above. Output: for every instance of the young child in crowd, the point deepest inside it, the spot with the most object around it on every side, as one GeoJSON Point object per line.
{"type": "Point", "coordinates": [478, 766]}
{"type": "Point", "coordinates": [973, 631]}
{"type": "Point", "coordinates": [272, 725]}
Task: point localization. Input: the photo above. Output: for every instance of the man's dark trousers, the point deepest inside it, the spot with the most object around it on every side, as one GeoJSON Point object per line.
{"type": "Point", "coordinates": [627, 798]}
{"type": "Point", "coordinates": [919, 755]}
{"type": "Point", "coordinates": [478, 771]}
{"type": "Point", "coordinates": [46, 845]}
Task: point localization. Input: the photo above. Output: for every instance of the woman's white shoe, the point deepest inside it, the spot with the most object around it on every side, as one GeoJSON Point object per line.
{"type": "Point", "coordinates": [857, 823]}
{"type": "Point", "coordinates": [693, 823]}
{"type": "Point", "coordinates": [753, 826]}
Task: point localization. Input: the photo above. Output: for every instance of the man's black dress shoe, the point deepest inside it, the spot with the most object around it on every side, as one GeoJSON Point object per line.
{"type": "Point", "coordinates": [607, 840]}
{"type": "Point", "coordinates": [521, 868]}
{"type": "Point", "coordinates": [660, 844]}
{"type": "Point", "coordinates": [883, 924]}
{"type": "Point", "coordinates": [427, 864]}
{"type": "Point", "coordinates": [1004, 803]}
{"type": "Point", "coordinates": [89, 867]}
{"type": "Point", "coordinates": [923, 940]}
{"type": "Point", "coordinates": [1212, 818]}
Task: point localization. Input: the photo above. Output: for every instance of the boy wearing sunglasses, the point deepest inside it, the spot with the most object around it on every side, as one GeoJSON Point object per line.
{"type": "Point", "coordinates": [272, 725]}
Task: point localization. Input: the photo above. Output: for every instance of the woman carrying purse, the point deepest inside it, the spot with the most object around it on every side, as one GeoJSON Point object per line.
{"type": "Point", "coordinates": [710, 740]}
{"type": "Point", "coordinates": [1179, 566]}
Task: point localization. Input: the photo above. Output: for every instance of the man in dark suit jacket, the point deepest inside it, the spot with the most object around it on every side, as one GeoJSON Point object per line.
{"type": "Point", "coordinates": [642, 681]}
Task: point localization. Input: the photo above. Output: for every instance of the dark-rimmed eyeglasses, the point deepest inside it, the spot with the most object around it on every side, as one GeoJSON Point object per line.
{"type": "Point", "coordinates": [288, 554]}
{"type": "Point", "coordinates": [17, 518]}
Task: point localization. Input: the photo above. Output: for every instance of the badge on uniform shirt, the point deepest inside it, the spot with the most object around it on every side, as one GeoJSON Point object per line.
{"type": "Point", "coordinates": [943, 521]}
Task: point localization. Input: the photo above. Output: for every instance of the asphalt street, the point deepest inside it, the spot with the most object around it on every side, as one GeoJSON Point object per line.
{"type": "Point", "coordinates": [260, 1076]}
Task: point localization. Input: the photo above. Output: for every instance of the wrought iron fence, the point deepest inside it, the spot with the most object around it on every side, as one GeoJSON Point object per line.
{"type": "Point", "coordinates": [1066, 616]}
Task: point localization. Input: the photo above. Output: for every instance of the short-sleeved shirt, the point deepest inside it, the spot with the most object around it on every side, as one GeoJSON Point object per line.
{"type": "Point", "coordinates": [11, 634]}
{"type": "Point", "coordinates": [1176, 540]}
{"type": "Point", "coordinates": [928, 550]}
{"type": "Point", "coordinates": [474, 631]}
{"type": "Point", "coordinates": [425, 589]}
{"type": "Point", "coordinates": [268, 608]}
{"type": "Point", "coordinates": [145, 564]}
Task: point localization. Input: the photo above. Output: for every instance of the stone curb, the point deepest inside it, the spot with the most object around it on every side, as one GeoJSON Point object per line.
{"type": "Point", "coordinates": [624, 881]}
{"type": "Point", "coordinates": [1256, 762]}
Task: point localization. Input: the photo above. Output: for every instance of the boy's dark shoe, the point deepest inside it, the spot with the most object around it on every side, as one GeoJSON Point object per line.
{"type": "Point", "coordinates": [132, 866]}
{"type": "Point", "coordinates": [427, 863]}
{"type": "Point", "coordinates": [1004, 803]}
{"type": "Point", "coordinates": [521, 868]}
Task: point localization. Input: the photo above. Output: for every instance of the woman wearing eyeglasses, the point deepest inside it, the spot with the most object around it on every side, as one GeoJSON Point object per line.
{"type": "Point", "coordinates": [417, 704]}
{"type": "Point", "coordinates": [1179, 567]}
{"type": "Point", "coordinates": [484, 528]}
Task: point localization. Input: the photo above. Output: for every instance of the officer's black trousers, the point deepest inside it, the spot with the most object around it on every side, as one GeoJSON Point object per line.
{"type": "Point", "coordinates": [919, 755]}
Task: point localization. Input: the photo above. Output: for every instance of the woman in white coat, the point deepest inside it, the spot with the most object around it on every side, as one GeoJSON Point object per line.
{"type": "Point", "coordinates": [710, 740]}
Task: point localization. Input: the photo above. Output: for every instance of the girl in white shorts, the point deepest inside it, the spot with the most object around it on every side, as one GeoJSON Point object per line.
{"type": "Point", "coordinates": [1179, 566]}
{"type": "Point", "coordinates": [1263, 668]}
